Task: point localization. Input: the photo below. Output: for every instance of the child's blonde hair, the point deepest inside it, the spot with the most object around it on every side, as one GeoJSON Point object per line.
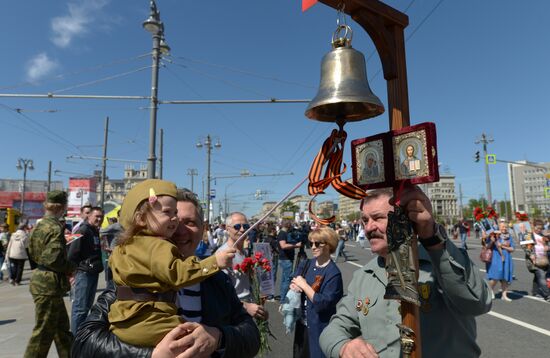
{"type": "Point", "coordinates": [138, 223]}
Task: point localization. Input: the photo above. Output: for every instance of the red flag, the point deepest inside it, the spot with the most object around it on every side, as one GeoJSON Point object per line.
{"type": "Point", "coordinates": [306, 4]}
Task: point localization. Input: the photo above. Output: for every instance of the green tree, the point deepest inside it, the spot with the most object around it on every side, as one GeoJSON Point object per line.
{"type": "Point", "coordinates": [505, 207]}
{"type": "Point", "coordinates": [536, 213]}
{"type": "Point", "coordinates": [289, 206]}
{"type": "Point", "coordinates": [353, 216]}
{"type": "Point", "coordinates": [325, 212]}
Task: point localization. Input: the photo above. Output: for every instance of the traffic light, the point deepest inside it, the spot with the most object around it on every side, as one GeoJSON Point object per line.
{"type": "Point", "coordinates": [477, 157]}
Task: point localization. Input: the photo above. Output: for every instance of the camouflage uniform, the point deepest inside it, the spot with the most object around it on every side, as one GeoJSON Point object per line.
{"type": "Point", "coordinates": [48, 285]}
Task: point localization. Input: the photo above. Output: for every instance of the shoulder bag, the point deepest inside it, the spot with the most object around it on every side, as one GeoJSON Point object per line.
{"type": "Point", "coordinates": [486, 254]}
{"type": "Point", "coordinates": [541, 262]}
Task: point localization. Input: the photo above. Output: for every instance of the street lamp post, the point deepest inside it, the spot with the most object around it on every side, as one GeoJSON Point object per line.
{"type": "Point", "coordinates": [486, 140]}
{"type": "Point", "coordinates": [208, 144]}
{"type": "Point", "coordinates": [192, 172]}
{"type": "Point", "coordinates": [156, 28]}
{"type": "Point", "coordinates": [24, 164]}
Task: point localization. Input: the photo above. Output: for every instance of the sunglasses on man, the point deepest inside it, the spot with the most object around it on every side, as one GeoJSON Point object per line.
{"type": "Point", "coordinates": [244, 226]}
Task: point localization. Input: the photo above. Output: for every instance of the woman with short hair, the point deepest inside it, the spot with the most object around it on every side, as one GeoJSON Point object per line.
{"type": "Point", "coordinates": [17, 253]}
{"type": "Point", "coordinates": [320, 281]}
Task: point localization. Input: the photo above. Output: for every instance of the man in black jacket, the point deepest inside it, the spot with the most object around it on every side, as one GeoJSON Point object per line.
{"type": "Point", "coordinates": [224, 329]}
{"type": "Point", "coordinates": [85, 252]}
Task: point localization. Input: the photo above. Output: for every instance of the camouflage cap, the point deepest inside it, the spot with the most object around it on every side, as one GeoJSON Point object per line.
{"type": "Point", "coordinates": [57, 197]}
{"type": "Point", "coordinates": [142, 192]}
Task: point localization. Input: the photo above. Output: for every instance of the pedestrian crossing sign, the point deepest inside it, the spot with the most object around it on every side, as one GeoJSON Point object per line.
{"type": "Point", "coordinates": [491, 158]}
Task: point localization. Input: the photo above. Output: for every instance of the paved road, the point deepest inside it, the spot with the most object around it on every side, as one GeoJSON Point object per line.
{"type": "Point", "coordinates": [520, 328]}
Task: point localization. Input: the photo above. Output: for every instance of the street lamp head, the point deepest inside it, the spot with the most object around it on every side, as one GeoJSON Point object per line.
{"type": "Point", "coordinates": [19, 166]}
{"type": "Point", "coordinates": [31, 165]}
{"type": "Point", "coordinates": [199, 145]}
{"type": "Point", "coordinates": [218, 145]}
{"type": "Point", "coordinates": [152, 24]}
{"type": "Point", "coordinates": [164, 48]}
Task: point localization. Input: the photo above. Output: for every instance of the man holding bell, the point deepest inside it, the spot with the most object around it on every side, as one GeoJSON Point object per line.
{"type": "Point", "coordinates": [451, 291]}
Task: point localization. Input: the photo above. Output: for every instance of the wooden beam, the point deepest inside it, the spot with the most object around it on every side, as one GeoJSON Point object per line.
{"type": "Point", "coordinates": [386, 27]}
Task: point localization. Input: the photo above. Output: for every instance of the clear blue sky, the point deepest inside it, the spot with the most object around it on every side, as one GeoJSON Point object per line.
{"type": "Point", "coordinates": [473, 67]}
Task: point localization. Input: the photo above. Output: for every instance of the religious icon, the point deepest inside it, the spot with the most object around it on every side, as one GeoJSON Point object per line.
{"type": "Point", "coordinates": [411, 153]}
{"type": "Point", "coordinates": [407, 154]}
{"type": "Point", "coordinates": [371, 157]}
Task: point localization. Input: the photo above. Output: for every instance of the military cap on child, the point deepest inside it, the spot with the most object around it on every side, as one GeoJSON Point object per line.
{"type": "Point", "coordinates": [140, 193]}
{"type": "Point", "coordinates": [57, 197]}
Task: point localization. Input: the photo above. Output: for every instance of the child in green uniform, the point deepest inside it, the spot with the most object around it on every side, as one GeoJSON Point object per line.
{"type": "Point", "coordinates": [148, 269]}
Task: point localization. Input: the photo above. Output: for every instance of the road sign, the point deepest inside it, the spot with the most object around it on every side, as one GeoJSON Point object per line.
{"type": "Point", "coordinates": [212, 193]}
{"type": "Point", "coordinates": [491, 158]}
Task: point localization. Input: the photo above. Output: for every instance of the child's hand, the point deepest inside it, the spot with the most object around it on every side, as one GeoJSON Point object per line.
{"type": "Point", "coordinates": [225, 257]}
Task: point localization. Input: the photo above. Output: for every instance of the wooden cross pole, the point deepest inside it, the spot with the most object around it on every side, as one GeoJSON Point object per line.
{"type": "Point", "coordinates": [385, 26]}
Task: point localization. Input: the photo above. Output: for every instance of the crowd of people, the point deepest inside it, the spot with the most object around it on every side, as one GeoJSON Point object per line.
{"type": "Point", "coordinates": [172, 290]}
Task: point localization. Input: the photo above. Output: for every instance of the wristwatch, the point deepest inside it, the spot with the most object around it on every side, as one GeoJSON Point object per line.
{"type": "Point", "coordinates": [439, 237]}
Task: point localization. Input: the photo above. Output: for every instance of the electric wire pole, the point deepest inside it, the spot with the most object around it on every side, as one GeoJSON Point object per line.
{"type": "Point", "coordinates": [104, 168]}
{"type": "Point", "coordinates": [486, 140]}
{"type": "Point", "coordinates": [49, 176]}
{"type": "Point", "coordinates": [192, 173]}
{"type": "Point", "coordinates": [161, 149]}
{"type": "Point", "coordinates": [208, 144]}
{"type": "Point", "coordinates": [461, 205]}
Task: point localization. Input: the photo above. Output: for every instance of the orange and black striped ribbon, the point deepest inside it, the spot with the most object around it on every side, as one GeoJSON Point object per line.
{"type": "Point", "coordinates": [331, 154]}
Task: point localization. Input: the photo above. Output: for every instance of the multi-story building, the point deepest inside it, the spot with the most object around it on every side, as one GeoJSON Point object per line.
{"type": "Point", "coordinates": [443, 197]}
{"type": "Point", "coordinates": [35, 195]}
{"type": "Point", "coordinates": [326, 208]}
{"type": "Point", "coordinates": [528, 187]}
{"type": "Point", "coordinates": [348, 208]}
{"type": "Point", "coordinates": [302, 202]}
{"type": "Point", "coordinates": [266, 206]}
{"type": "Point", "coordinates": [116, 189]}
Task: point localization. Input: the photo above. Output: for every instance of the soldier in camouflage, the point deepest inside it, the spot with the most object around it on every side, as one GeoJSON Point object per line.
{"type": "Point", "coordinates": [49, 281]}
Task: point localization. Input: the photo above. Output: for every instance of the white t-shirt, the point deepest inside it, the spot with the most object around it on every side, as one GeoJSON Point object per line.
{"type": "Point", "coordinates": [241, 281]}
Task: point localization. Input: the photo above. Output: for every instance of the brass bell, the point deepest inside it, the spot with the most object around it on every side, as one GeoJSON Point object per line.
{"type": "Point", "coordinates": [344, 94]}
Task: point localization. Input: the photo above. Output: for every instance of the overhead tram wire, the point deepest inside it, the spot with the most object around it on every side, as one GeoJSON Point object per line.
{"type": "Point", "coordinates": [30, 130]}
{"type": "Point", "coordinates": [77, 72]}
{"type": "Point", "coordinates": [40, 133]}
{"type": "Point", "coordinates": [319, 139]}
{"type": "Point", "coordinates": [104, 79]}
{"type": "Point", "coordinates": [223, 116]}
{"type": "Point", "coordinates": [212, 77]}
{"type": "Point", "coordinates": [240, 160]}
{"type": "Point", "coordinates": [287, 165]}
{"type": "Point", "coordinates": [410, 35]}
{"type": "Point", "coordinates": [244, 72]}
